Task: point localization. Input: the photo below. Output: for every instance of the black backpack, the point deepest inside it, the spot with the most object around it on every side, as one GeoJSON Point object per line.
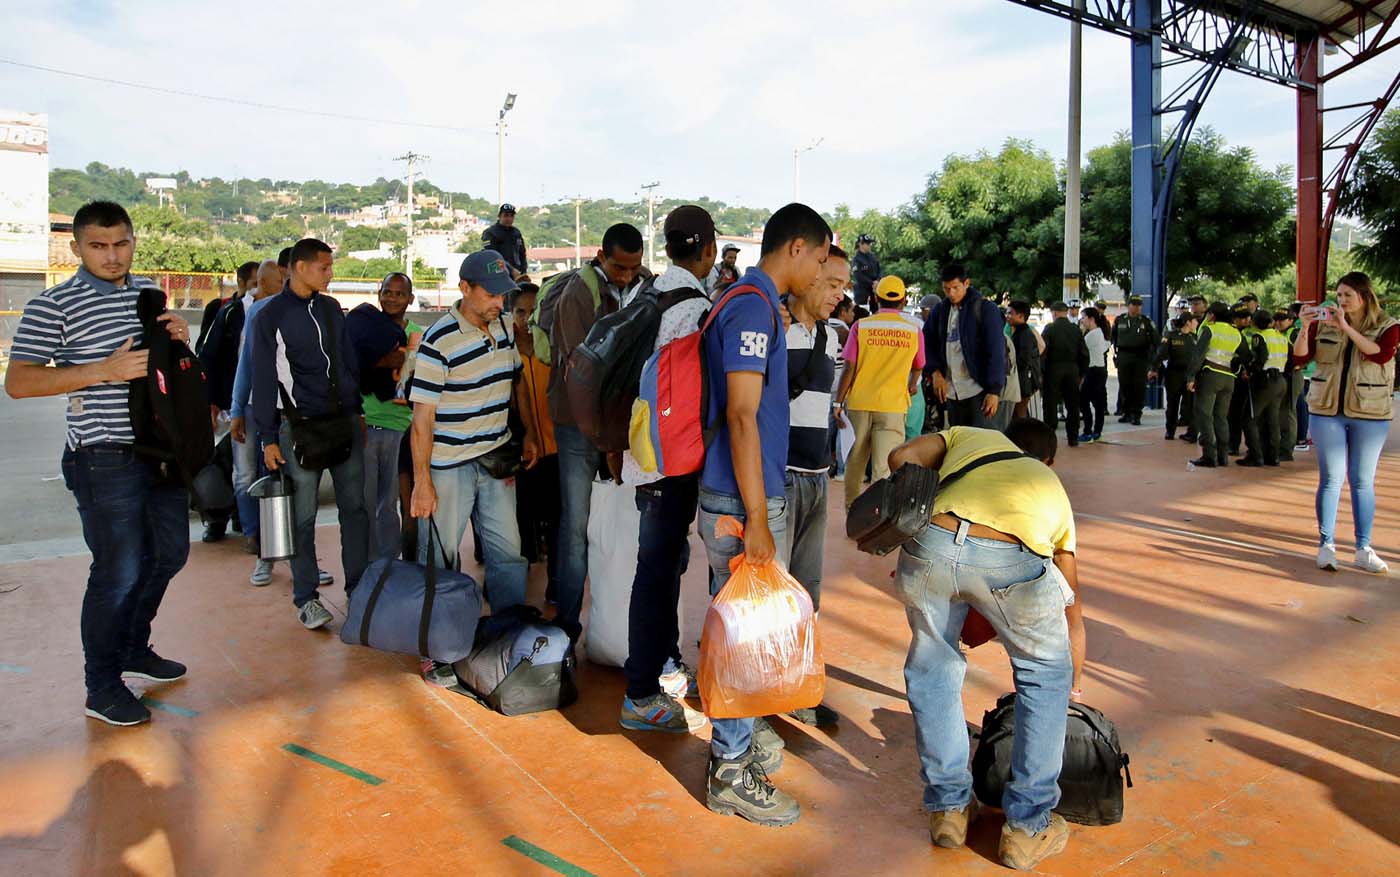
{"type": "Point", "coordinates": [520, 664]}
{"type": "Point", "coordinates": [169, 410]}
{"type": "Point", "coordinates": [604, 374]}
{"type": "Point", "coordinates": [1091, 779]}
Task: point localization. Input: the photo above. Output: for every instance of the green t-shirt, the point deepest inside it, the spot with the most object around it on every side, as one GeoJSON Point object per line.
{"type": "Point", "coordinates": [390, 415]}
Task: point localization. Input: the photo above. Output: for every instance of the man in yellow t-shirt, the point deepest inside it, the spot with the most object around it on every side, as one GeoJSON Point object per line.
{"type": "Point", "coordinates": [1002, 543]}
{"type": "Point", "coordinates": [884, 355]}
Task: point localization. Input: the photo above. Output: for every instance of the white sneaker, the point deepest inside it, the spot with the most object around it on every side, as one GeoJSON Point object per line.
{"type": "Point", "coordinates": [1301, 447]}
{"type": "Point", "coordinates": [314, 615]}
{"type": "Point", "coordinates": [1367, 561]}
{"type": "Point", "coordinates": [262, 573]}
{"type": "Point", "coordinates": [1327, 557]}
{"type": "Point", "coordinates": [324, 579]}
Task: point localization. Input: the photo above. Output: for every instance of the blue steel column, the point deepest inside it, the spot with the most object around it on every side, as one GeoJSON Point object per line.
{"type": "Point", "coordinates": [1147, 146]}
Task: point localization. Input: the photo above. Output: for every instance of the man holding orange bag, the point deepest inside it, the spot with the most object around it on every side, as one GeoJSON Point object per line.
{"type": "Point", "coordinates": [743, 477]}
{"type": "Point", "coordinates": [1002, 542]}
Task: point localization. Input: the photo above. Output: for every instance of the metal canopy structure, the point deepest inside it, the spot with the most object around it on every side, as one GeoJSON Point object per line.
{"type": "Point", "coordinates": [1281, 42]}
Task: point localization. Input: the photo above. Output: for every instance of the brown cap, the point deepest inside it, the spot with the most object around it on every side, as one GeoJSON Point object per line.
{"type": "Point", "coordinates": [689, 224]}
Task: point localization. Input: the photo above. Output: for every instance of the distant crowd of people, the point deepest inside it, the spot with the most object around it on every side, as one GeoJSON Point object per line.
{"type": "Point", "coordinates": [465, 419]}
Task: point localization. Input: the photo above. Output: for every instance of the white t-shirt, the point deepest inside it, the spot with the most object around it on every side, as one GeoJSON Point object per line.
{"type": "Point", "coordinates": [1098, 348]}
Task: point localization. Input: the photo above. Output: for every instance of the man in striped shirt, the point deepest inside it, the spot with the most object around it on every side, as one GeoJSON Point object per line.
{"type": "Point", "coordinates": [466, 369]}
{"type": "Point", "coordinates": [136, 526]}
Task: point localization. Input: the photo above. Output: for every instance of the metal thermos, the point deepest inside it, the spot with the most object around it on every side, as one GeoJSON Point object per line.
{"type": "Point", "coordinates": [276, 533]}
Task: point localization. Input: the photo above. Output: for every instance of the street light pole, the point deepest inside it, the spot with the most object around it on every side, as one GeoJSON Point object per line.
{"type": "Point", "coordinates": [1070, 287]}
{"type": "Point", "coordinates": [796, 165]}
{"type": "Point", "coordinates": [578, 235]}
{"type": "Point", "coordinates": [501, 148]}
{"type": "Point", "coordinates": [651, 224]}
{"type": "Point", "coordinates": [410, 158]}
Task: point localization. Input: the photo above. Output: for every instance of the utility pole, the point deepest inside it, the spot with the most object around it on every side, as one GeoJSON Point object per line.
{"type": "Point", "coordinates": [410, 158]}
{"type": "Point", "coordinates": [1070, 288]}
{"type": "Point", "coordinates": [578, 232]}
{"type": "Point", "coordinates": [501, 148]}
{"type": "Point", "coordinates": [651, 224]}
{"type": "Point", "coordinates": [796, 165]}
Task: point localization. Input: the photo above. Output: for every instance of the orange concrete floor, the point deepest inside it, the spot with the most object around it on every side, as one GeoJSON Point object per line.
{"type": "Point", "coordinates": [1257, 696]}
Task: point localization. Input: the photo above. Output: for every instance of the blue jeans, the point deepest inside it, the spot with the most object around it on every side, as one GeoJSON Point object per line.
{"type": "Point", "coordinates": [730, 738]}
{"type": "Point", "coordinates": [579, 462]}
{"type": "Point", "coordinates": [1347, 448]}
{"type": "Point", "coordinates": [245, 472]}
{"type": "Point", "coordinates": [349, 480]}
{"type": "Point", "coordinates": [462, 490]}
{"type": "Point", "coordinates": [139, 534]}
{"type": "Point", "coordinates": [941, 574]}
{"type": "Point", "coordinates": [806, 526]}
{"type": "Point", "coordinates": [382, 491]}
{"type": "Point", "coordinates": [663, 553]}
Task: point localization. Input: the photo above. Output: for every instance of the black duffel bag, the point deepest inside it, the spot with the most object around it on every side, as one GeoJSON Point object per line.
{"type": "Point", "coordinates": [1091, 779]}
{"type": "Point", "coordinates": [402, 607]}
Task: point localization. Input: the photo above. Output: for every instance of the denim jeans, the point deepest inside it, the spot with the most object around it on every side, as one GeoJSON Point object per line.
{"type": "Point", "coordinates": [730, 738]}
{"type": "Point", "coordinates": [349, 480]}
{"type": "Point", "coordinates": [139, 534]}
{"type": "Point", "coordinates": [579, 462]}
{"type": "Point", "coordinates": [461, 491]}
{"type": "Point", "coordinates": [245, 472]}
{"type": "Point", "coordinates": [806, 529]}
{"type": "Point", "coordinates": [663, 553]}
{"type": "Point", "coordinates": [940, 575]}
{"type": "Point", "coordinates": [382, 491]}
{"type": "Point", "coordinates": [1347, 448]}
{"type": "Point", "coordinates": [968, 412]}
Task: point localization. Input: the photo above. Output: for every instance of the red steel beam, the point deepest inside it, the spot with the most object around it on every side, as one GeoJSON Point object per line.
{"type": "Point", "coordinates": [1310, 251]}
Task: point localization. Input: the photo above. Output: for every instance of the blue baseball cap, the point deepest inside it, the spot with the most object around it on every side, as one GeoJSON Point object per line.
{"type": "Point", "coordinates": [488, 270]}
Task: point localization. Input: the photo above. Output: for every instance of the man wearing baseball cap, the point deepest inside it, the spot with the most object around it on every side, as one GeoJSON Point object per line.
{"type": "Point", "coordinates": [729, 257]}
{"type": "Point", "coordinates": [467, 368]}
{"type": "Point", "coordinates": [506, 239]}
{"type": "Point", "coordinates": [884, 356]}
{"type": "Point", "coordinates": [865, 270]}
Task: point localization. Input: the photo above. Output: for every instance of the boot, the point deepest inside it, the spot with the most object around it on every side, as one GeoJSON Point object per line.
{"type": "Point", "coordinates": [1024, 851]}
{"type": "Point", "coordinates": [740, 787]}
{"type": "Point", "coordinates": [1203, 462]}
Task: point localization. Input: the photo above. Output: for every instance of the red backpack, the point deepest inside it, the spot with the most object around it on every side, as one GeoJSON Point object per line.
{"type": "Point", "coordinates": [670, 431]}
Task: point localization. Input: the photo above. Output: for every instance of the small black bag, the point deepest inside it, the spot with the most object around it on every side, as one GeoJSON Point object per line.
{"type": "Point", "coordinates": [1091, 780]}
{"type": "Point", "coordinates": [521, 664]}
{"type": "Point", "coordinates": [326, 440]}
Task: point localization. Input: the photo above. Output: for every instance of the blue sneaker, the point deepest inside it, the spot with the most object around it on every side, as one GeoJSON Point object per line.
{"type": "Point", "coordinates": [660, 712]}
{"type": "Point", "coordinates": [1087, 438]}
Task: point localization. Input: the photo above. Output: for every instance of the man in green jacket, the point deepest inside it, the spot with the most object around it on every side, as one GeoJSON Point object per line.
{"type": "Point", "coordinates": [1134, 341]}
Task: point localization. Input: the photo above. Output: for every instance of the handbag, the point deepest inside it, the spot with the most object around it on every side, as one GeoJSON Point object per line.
{"type": "Point", "coordinates": [325, 440]}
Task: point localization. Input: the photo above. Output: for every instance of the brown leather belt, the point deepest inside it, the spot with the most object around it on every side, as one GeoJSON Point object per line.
{"type": "Point", "coordinates": [951, 522]}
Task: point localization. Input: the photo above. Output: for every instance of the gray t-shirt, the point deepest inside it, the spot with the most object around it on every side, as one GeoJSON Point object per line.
{"type": "Point", "coordinates": [964, 386]}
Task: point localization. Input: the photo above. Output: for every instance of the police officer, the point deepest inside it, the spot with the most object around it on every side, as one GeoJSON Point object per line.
{"type": "Point", "coordinates": [1066, 360]}
{"type": "Point", "coordinates": [1135, 341]}
{"type": "Point", "coordinates": [1286, 322]}
{"type": "Point", "coordinates": [1219, 353]}
{"type": "Point", "coordinates": [1267, 386]}
{"type": "Point", "coordinates": [865, 270]}
{"type": "Point", "coordinates": [1172, 360]}
{"type": "Point", "coordinates": [1241, 319]}
{"type": "Point", "coordinates": [506, 239]}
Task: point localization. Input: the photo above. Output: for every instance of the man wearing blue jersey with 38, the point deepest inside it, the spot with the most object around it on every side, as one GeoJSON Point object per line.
{"type": "Point", "coordinates": [136, 526]}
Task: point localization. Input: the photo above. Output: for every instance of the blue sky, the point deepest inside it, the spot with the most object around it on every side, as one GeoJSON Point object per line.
{"type": "Point", "coordinates": [709, 99]}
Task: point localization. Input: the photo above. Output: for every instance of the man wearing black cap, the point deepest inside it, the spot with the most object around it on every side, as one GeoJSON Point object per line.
{"type": "Point", "coordinates": [1066, 359]}
{"type": "Point", "coordinates": [865, 270]}
{"type": "Point", "coordinates": [729, 258]}
{"type": "Point", "coordinates": [1135, 340]}
{"type": "Point", "coordinates": [1240, 407]}
{"type": "Point", "coordinates": [506, 239]}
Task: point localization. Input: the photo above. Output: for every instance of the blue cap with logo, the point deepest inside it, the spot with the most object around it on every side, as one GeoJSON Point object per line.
{"type": "Point", "coordinates": [488, 270]}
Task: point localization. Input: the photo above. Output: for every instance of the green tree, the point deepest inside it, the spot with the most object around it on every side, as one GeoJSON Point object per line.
{"type": "Point", "coordinates": [1231, 219]}
{"type": "Point", "coordinates": [364, 237]}
{"type": "Point", "coordinates": [1373, 196]}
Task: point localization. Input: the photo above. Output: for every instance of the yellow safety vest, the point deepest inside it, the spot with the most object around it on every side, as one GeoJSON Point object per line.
{"type": "Point", "coordinates": [1278, 349]}
{"type": "Point", "coordinates": [1224, 342]}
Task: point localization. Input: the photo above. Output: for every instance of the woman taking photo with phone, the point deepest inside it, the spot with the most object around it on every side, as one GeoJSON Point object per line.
{"type": "Point", "coordinates": [1351, 401]}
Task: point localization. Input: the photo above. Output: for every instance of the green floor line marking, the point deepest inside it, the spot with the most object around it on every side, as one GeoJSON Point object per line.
{"type": "Point", "coordinates": [332, 764]}
{"type": "Point", "coordinates": [13, 668]}
{"type": "Point", "coordinates": [546, 858]}
{"type": "Point", "coordinates": [169, 707]}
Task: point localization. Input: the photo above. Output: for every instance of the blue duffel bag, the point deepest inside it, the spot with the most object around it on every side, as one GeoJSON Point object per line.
{"type": "Point", "coordinates": [417, 610]}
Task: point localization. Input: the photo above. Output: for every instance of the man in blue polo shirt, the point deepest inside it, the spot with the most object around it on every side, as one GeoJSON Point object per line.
{"type": "Point", "coordinates": [744, 476]}
{"type": "Point", "coordinates": [136, 526]}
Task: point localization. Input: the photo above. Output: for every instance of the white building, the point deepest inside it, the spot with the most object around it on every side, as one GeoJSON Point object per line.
{"type": "Point", "coordinates": [24, 206]}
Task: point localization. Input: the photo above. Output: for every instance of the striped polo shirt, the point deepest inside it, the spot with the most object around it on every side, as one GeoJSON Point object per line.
{"type": "Point", "coordinates": [810, 414]}
{"type": "Point", "coordinates": [81, 321]}
{"type": "Point", "coordinates": [468, 374]}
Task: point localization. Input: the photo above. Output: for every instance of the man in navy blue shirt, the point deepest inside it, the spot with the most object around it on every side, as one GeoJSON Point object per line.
{"type": "Point", "coordinates": [744, 477]}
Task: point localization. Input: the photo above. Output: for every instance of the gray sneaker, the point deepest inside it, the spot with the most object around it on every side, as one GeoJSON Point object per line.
{"type": "Point", "coordinates": [314, 615]}
{"type": "Point", "coordinates": [741, 788]}
{"type": "Point", "coordinates": [660, 712]}
{"type": "Point", "coordinates": [765, 737]}
{"type": "Point", "coordinates": [324, 579]}
{"type": "Point", "coordinates": [262, 573]}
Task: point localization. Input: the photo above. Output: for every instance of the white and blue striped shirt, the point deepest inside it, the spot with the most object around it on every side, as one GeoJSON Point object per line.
{"type": "Point", "coordinates": [81, 321]}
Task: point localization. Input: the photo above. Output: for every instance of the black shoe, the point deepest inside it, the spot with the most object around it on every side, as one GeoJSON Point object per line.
{"type": "Point", "coordinates": [1203, 463]}
{"type": "Point", "coordinates": [1124, 419]}
{"type": "Point", "coordinates": [146, 664]}
{"type": "Point", "coordinates": [214, 531]}
{"type": "Point", "coordinates": [117, 707]}
{"type": "Point", "coordinates": [820, 715]}
{"type": "Point", "coordinates": [1189, 437]}
{"type": "Point", "coordinates": [1248, 461]}
{"type": "Point", "coordinates": [1137, 420]}
{"type": "Point", "coordinates": [1074, 443]}
{"type": "Point", "coordinates": [1171, 437]}
{"type": "Point", "coordinates": [1222, 461]}
{"type": "Point", "coordinates": [1271, 462]}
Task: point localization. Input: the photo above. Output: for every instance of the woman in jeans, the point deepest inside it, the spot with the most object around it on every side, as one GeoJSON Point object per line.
{"type": "Point", "coordinates": [1094, 393]}
{"type": "Point", "coordinates": [1350, 399]}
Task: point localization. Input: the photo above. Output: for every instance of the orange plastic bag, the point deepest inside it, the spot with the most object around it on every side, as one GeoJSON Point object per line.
{"type": "Point", "coordinates": [759, 652]}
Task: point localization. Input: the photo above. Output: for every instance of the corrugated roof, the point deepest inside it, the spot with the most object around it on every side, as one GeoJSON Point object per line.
{"type": "Point", "coordinates": [1340, 19]}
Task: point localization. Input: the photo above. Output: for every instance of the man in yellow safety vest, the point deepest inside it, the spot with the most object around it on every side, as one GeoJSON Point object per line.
{"type": "Point", "coordinates": [1211, 376]}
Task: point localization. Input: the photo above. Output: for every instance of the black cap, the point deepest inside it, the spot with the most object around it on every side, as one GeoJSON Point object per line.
{"type": "Point", "coordinates": [1135, 300]}
{"type": "Point", "coordinates": [1199, 298]}
{"type": "Point", "coordinates": [688, 225]}
{"type": "Point", "coordinates": [729, 248]}
{"type": "Point", "coordinates": [1249, 296]}
{"type": "Point", "coordinates": [506, 208]}
{"type": "Point", "coordinates": [865, 239]}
